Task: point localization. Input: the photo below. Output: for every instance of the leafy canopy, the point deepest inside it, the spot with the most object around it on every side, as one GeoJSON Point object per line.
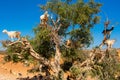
{"type": "Point", "coordinates": [76, 16]}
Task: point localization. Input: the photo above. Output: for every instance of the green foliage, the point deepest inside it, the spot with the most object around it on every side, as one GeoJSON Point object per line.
{"type": "Point", "coordinates": [26, 55]}
{"type": "Point", "coordinates": [15, 58]}
{"type": "Point", "coordinates": [72, 56]}
{"type": "Point", "coordinates": [16, 52]}
{"type": "Point", "coordinates": [16, 48]}
{"type": "Point", "coordinates": [80, 13]}
{"type": "Point", "coordinates": [60, 75]}
{"type": "Point", "coordinates": [81, 36]}
{"type": "Point", "coordinates": [42, 42]}
{"type": "Point", "coordinates": [76, 72]}
{"type": "Point", "coordinates": [69, 54]}
{"type": "Point", "coordinates": [107, 69]}
{"type": "Point", "coordinates": [110, 66]}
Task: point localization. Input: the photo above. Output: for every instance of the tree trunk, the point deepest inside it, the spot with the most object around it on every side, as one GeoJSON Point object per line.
{"type": "Point", "coordinates": [55, 67]}
{"type": "Point", "coordinates": [57, 60]}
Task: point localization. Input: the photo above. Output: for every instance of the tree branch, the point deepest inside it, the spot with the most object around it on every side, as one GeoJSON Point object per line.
{"type": "Point", "coordinates": [34, 54]}
{"type": "Point", "coordinates": [12, 43]}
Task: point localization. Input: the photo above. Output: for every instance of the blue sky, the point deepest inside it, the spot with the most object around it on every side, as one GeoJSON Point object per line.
{"type": "Point", "coordinates": [111, 10]}
{"type": "Point", "coordinates": [23, 15]}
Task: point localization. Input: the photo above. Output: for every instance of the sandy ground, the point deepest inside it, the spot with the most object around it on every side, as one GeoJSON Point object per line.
{"type": "Point", "coordinates": [12, 71]}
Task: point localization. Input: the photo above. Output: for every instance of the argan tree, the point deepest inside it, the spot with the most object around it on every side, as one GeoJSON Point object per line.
{"type": "Point", "coordinates": [68, 20]}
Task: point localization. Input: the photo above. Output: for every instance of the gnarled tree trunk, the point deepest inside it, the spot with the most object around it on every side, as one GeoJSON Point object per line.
{"type": "Point", "coordinates": [57, 60]}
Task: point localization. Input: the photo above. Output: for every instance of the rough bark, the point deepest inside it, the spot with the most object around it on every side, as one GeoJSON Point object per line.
{"type": "Point", "coordinates": [57, 40]}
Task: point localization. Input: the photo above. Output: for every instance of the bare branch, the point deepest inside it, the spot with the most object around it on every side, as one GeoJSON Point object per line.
{"type": "Point", "coordinates": [53, 23]}
{"type": "Point", "coordinates": [15, 43]}
{"type": "Point", "coordinates": [26, 44]}
{"type": "Point", "coordinates": [58, 20]}
{"type": "Point", "coordinates": [59, 27]}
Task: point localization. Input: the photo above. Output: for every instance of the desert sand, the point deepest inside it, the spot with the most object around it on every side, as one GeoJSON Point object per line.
{"type": "Point", "coordinates": [12, 71]}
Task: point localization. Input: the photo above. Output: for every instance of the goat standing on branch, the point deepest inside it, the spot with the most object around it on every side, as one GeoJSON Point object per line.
{"type": "Point", "coordinates": [44, 18]}
{"type": "Point", "coordinates": [107, 32]}
{"type": "Point", "coordinates": [108, 42]}
{"type": "Point", "coordinates": [12, 34]}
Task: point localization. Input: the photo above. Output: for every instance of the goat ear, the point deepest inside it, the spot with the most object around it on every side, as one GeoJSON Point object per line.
{"type": "Point", "coordinates": [4, 30]}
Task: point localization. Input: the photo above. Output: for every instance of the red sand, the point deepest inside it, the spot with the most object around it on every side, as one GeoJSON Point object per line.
{"type": "Point", "coordinates": [10, 70]}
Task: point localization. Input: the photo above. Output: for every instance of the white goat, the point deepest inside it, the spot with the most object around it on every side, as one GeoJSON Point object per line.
{"type": "Point", "coordinates": [44, 17]}
{"type": "Point", "coordinates": [12, 34]}
{"type": "Point", "coordinates": [68, 42]}
{"type": "Point", "coordinates": [109, 43]}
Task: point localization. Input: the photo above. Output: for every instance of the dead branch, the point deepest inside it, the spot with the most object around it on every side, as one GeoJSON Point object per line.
{"type": "Point", "coordinates": [58, 20]}
{"type": "Point", "coordinates": [54, 23]}
{"type": "Point", "coordinates": [59, 27]}
{"type": "Point", "coordinates": [16, 42]}
{"type": "Point", "coordinates": [33, 53]}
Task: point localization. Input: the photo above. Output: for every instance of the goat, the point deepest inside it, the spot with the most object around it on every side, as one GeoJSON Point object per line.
{"type": "Point", "coordinates": [12, 34]}
{"type": "Point", "coordinates": [68, 42]}
{"type": "Point", "coordinates": [109, 43]}
{"type": "Point", "coordinates": [73, 44]}
{"type": "Point", "coordinates": [107, 32]}
{"type": "Point", "coordinates": [44, 18]}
